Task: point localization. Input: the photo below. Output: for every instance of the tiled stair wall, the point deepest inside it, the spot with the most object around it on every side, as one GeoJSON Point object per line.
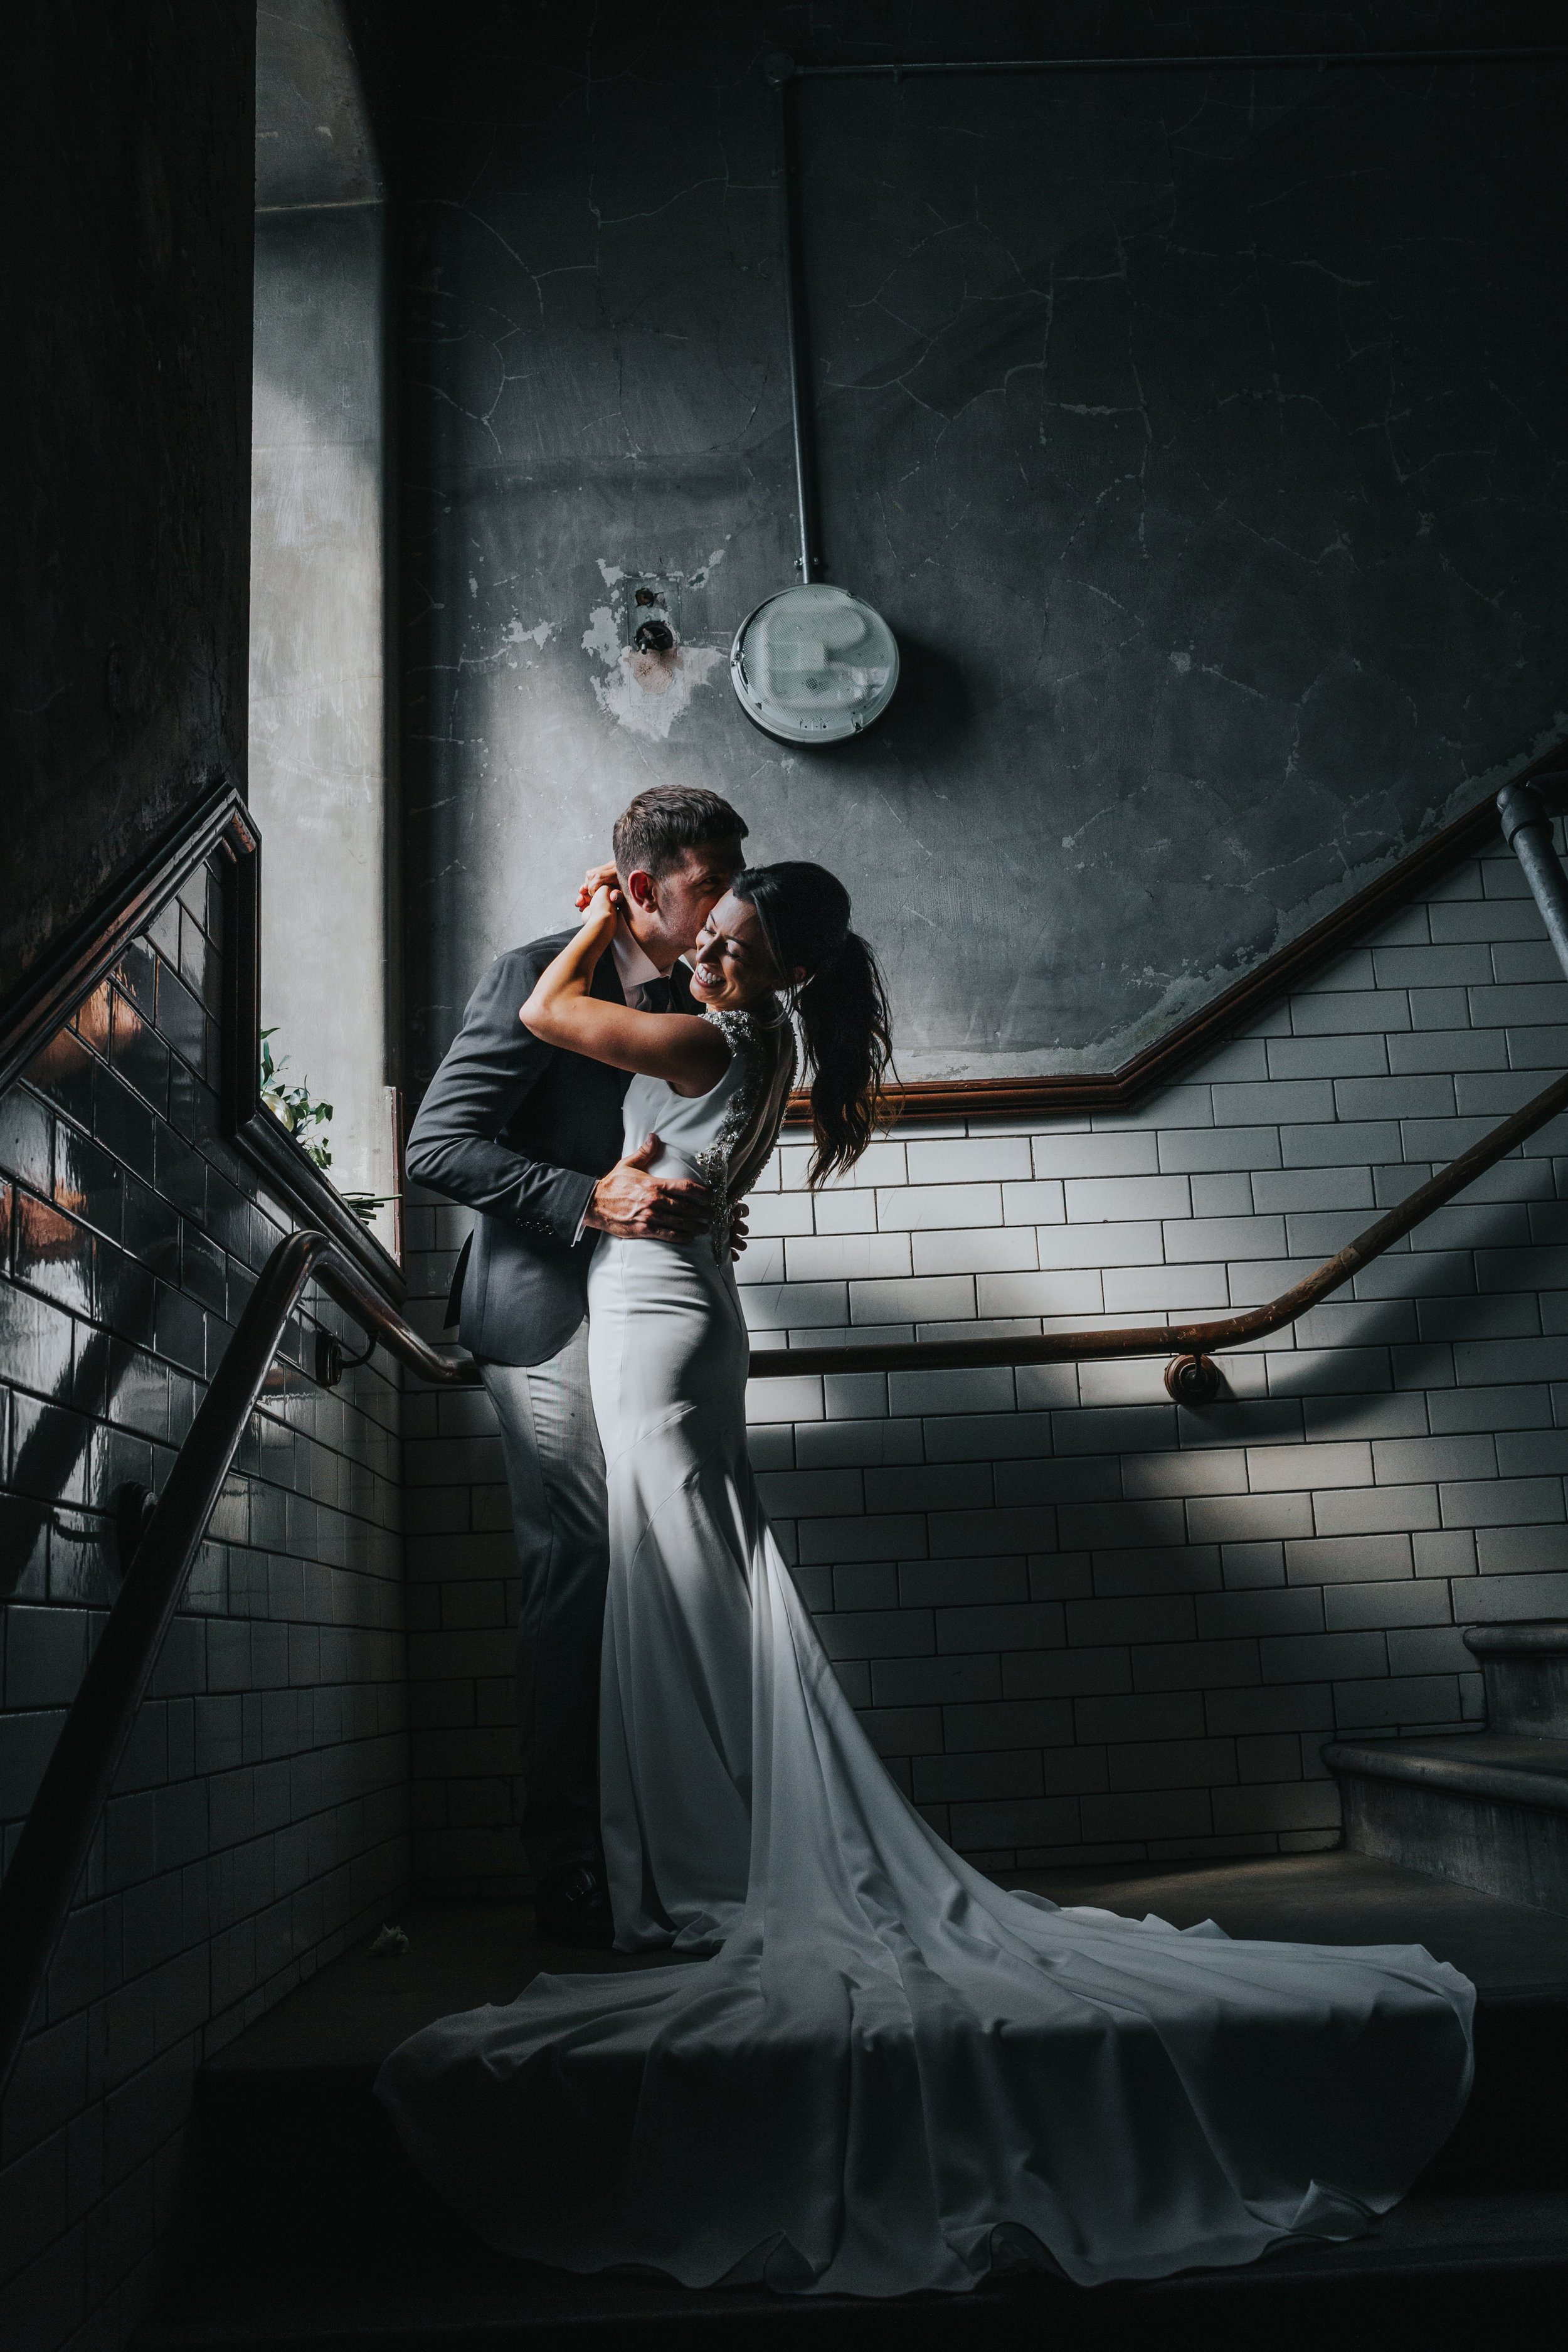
{"type": "Point", "coordinates": [1082, 1622]}
{"type": "Point", "coordinates": [260, 1816]}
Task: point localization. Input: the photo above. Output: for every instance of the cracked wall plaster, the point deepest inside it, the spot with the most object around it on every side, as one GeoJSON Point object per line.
{"type": "Point", "coordinates": [1198, 434]}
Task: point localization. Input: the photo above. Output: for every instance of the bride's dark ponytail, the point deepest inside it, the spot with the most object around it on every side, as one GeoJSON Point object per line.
{"type": "Point", "coordinates": [838, 998]}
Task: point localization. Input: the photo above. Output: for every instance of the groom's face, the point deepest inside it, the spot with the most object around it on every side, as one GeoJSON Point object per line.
{"type": "Point", "coordinates": [673, 906]}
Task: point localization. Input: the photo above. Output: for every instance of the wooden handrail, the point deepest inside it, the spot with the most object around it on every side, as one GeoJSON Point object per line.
{"type": "Point", "coordinates": [1191, 1376]}
{"type": "Point", "coordinates": [52, 1851]}
{"type": "Point", "coordinates": [1192, 1342]}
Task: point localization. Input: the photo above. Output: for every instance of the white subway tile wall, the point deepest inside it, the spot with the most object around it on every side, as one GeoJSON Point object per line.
{"type": "Point", "coordinates": [1082, 1623]}
{"type": "Point", "coordinates": [258, 1820]}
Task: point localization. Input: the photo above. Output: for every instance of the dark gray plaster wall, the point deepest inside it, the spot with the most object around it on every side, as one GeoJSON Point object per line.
{"type": "Point", "coordinates": [313, 140]}
{"type": "Point", "coordinates": [1209, 428]}
{"type": "Point", "coordinates": [1198, 433]}
{"type": "Point", "coordinates": [318, 685]}
{"type": "Point", "coordinates": [123, 606]}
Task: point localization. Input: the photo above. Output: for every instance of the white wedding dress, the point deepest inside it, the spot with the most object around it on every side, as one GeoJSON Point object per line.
{"type": "Point", "coordinates": [889, 2074]}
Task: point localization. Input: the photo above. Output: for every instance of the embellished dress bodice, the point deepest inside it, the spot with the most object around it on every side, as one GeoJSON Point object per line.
{"type": "Point", "coordinates": [721, 1138]}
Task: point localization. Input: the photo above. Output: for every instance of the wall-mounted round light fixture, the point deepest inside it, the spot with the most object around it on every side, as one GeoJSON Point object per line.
{"type": "Point", "coordinates": [814, 665]}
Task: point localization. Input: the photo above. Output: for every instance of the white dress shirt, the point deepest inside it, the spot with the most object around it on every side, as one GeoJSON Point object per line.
{"type": "Point", "coordinates": [635, 968]}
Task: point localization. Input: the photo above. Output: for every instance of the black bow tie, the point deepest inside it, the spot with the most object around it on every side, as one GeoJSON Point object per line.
{"type": "Point", "coordinates": [656, 996]}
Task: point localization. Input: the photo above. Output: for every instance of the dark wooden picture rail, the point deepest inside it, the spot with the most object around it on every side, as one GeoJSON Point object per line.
{"type": "Point", "coordinates": [1073, 1095]}
{"type": "Point", "coordinates": [49, 996]}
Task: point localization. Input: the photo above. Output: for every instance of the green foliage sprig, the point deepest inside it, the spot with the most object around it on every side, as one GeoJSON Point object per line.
{"type": "Point", "coordinates": [294, 1107]}
{"type": "Point", "coordinates": [365, 1204]}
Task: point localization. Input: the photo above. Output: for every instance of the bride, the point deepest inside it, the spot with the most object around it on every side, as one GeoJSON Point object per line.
{"type": "Point", "coordinates": [886, 2074]}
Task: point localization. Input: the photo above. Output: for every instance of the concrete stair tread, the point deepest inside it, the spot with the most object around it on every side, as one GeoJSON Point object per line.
{"type": "Point", "coordinates": [1543, 1637]}
{"type": "Point", "coordinates": [1508, 1768]}
{"type": "Point", "coordinates": [1525, 1670]}
{"type": "Point", "coordinates": [1436, 2240]}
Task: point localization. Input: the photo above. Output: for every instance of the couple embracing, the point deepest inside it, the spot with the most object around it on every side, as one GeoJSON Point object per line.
{"type": "Point", "coordinates": [863, 2067]}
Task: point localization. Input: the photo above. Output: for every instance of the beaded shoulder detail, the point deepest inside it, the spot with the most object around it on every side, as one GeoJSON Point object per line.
{"type": "Point", "coordinates": [744, 1037]}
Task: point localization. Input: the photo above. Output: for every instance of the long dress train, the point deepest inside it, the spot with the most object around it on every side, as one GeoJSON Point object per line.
{"type": "Point", "coordinates": [889, 2074]}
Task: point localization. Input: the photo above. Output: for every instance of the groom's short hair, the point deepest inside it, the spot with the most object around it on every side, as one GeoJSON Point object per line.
{"type": "Point", "coordinates": [662, 824]}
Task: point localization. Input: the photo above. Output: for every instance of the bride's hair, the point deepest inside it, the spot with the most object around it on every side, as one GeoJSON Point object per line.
{"type": "Point", "coordinates": [841, 1004]}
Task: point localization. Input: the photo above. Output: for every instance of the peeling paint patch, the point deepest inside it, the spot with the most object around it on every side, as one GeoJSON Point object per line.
{"type": "Point", "coordinates": [649, 681]}
{"type": "Point", "coordinates": [601, 636]}
{"type": "Point", "coordinates": [512, 635]}
{"type": "Point", "coordinates": [646, 692]}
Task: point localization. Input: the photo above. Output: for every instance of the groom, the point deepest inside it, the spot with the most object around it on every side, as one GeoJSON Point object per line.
{"type": "Point", "coordinates": [529, 1136]}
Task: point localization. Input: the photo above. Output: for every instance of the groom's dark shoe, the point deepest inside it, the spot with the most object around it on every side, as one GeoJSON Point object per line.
{"type": "Point", "coordinates": [571, 1907]}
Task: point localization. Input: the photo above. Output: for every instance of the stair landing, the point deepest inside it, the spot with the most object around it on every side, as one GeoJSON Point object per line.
{"type": "Point", "coordinates": [355, 2011]}
{"type": "Point", "coordinates": [313, 2232]}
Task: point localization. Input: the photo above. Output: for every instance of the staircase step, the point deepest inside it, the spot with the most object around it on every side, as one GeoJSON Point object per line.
{"type": "Point", "coordinates": [1524, 1669]}
{"type": "Point", "coordinates": [1510, 1768]}
{"type": "Point", "coordinates": [1489, 1810]}
{"type": "Point", "coordinates": [313, 2231]}
{"type": "Point", "coordinates": [1435, 2272]}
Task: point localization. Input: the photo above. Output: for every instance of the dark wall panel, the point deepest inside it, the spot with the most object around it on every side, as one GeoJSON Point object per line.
{"type": "Point", "coordinates": [1198, 432]}
{"type": "Point", "coordinates": [1201, 435]}
{"type": "Point", "coordinates": [127, 384]}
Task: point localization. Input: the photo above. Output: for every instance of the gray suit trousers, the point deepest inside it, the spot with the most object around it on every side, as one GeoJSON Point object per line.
{"type": "Point", "coordinates": [555, 1471]}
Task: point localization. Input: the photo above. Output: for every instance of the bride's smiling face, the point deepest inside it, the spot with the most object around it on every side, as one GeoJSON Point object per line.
{"type": "Point", "coordinates": [732, 967]}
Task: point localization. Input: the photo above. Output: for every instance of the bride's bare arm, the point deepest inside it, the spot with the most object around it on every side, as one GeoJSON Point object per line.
{"type": "Point", "coordinates": [687, 1051]}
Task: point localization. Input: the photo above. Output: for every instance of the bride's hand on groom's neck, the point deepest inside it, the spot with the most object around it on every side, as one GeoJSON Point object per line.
{"type": "Point", "coordinates": [604, 910]}
{"type": "Point", "coordinates": [597, 877]}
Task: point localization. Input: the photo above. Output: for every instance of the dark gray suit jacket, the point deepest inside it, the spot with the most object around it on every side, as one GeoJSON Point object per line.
{"type": "Point", "coordinates": [521, 1132]}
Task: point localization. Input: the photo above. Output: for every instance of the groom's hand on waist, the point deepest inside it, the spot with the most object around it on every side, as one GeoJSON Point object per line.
{"type": "Point", "coordinates": [642, 1207]}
